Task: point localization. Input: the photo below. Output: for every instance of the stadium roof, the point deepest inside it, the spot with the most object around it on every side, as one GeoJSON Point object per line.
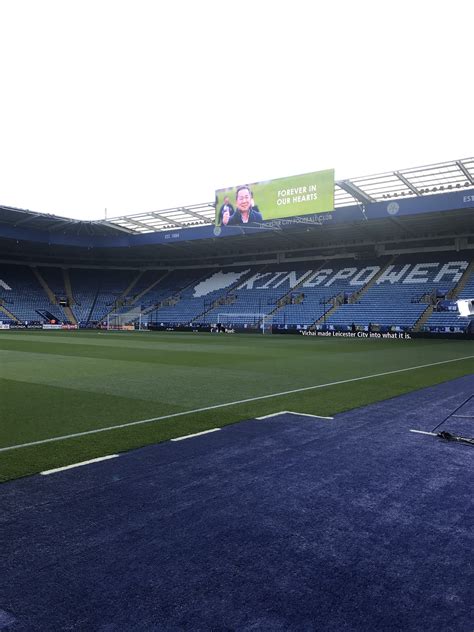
{"type": "Point", "coordinates": [418, 181]}
{"type": "Point", "coordinates": [54, 223]}
{"type": "Point", "coordinates": [404, 183]}
{"type": "Point", "coordinates": [415, 182]}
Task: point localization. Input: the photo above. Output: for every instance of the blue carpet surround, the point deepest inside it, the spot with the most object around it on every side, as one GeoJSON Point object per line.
{"type": "Point", "coordinates": [282, 524]}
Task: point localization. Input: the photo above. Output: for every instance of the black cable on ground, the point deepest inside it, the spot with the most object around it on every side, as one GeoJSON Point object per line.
{"type": "Point", "coordinates": [447, 436]}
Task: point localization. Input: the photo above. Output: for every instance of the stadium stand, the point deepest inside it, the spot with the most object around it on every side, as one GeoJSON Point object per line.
{"type": "Point", "coordinates": [402, 293]}
{"type": "Point", "coordinates": [446, 317]}
{"type": "Point", "coordinates": [388, 292]}
{"type": "Point", "coordinates": [168, 301]}
{"type": "Point", "coordinates": [27, 300]}
{"type": "Point", "coordinates": [96, 292]}
{"type": "Point", "coordinates": [195, 300]}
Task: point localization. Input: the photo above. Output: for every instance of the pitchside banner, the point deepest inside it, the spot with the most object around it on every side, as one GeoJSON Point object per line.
{"type": "Point", "coordinates": [275, 199]}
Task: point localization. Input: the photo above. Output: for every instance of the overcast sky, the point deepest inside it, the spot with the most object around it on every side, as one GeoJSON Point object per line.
{"type": "Point", "coordinates": [147, 105]}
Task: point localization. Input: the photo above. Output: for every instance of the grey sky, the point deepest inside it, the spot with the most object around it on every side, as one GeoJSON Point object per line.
{"type": "Point", "coordinates": [139, 106]}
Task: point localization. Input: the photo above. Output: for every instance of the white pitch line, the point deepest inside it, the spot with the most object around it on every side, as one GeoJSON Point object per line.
{"type": "Point", "coordinates": [308, 415]}
{"type": "Point", "coordinates": [70, 467]}
{"type": "Point", "coordinates": [217, 406]}
{"type": "Point", "coordinates": [291, 412]}
{"type": "Point", "coordinates": [281, 412]}
{"type": "Point", "coordinates": [196, 434]}
{"type": "Point", "coordinates": [433, 434]}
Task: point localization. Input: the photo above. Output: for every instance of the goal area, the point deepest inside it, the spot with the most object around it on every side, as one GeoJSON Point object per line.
{"type": "Point", "coordinates": [127, 321]}
{"type": "Point", "coordinates": [250, 320]}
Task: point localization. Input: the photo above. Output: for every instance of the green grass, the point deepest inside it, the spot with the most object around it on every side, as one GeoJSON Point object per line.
{"type": "Point", "coordinates": [58, 383]}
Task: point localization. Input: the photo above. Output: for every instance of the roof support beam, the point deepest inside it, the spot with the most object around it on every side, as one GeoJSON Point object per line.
{"type": "Point", "coordinates": [115, 226]}
{"type": "Point", "coordinates": [57, 225]}
{"type": "Point", "coordinates": [465, 171]}
{"type": "Point", "coordinates": [77, 226]}
{"type": "Point", "coordinates": [25, 220]}
{"type": "Point", "coordinates": [354, 190]}
{"type": "Point", "coordinates": [194, 214]}
{"type": "Point", "coordinates": [166, 219]}
{"type": "Point", "coordinates": [140, 224]}
{"type": "Point", "coordinates": [407, 183]}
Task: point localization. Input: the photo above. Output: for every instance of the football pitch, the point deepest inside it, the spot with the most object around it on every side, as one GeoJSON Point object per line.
{"type": "Point", "coordinates": [66, 397]}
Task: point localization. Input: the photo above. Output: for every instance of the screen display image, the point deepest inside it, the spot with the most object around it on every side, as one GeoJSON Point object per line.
{"type": "Point", "coordinates": [254, 203]}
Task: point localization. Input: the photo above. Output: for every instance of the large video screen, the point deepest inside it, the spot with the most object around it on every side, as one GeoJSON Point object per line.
{"type": "Point", "coordinates": [275, 199]}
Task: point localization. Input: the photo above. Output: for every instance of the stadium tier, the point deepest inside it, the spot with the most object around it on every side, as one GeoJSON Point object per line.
{"type": "Point", "coordinates": [391, 292]}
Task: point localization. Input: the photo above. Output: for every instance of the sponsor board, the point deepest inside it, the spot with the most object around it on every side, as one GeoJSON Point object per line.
{"type": "Point", "coordinates": [397, 335]}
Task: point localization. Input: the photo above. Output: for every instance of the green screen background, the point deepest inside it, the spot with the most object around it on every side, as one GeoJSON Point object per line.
{"type": "Point", "coordinates": [266, 195]}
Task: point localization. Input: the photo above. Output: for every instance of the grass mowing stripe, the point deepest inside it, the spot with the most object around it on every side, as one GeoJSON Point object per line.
{"type": "Point", "coordinates": [216, 406]}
